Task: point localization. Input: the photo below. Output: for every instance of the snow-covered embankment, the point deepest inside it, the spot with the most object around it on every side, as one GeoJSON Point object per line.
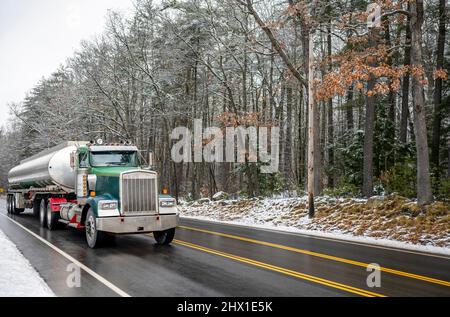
{"type": "Point", "coordinates": [17, 277]}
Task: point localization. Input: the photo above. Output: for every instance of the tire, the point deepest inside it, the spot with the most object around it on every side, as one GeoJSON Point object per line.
{"type": "Point", "coordinates": [36, 207]}
{"type": "Point", "coordinates": [8, 204]}
{"type": "Point", "coordinates": [164, 237]}
{"type": "Point", "coordinates": [43, 213]}
{"type": "Point", "coordinates": [13, 206]}
{"type": "Point", "coordinates": [52, 218]}
{"type": "Point", "coordinates": [14, 209]}
{"type": "Point", "coordinates": [19, 211]}
{"type": "Point", "coordinates": [94, 238]}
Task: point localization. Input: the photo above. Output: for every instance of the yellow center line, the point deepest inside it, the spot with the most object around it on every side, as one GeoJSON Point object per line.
{"type": "Point", "coordinates": [321, 255]}
{"type": "Point", "coordinates": [284, 271]}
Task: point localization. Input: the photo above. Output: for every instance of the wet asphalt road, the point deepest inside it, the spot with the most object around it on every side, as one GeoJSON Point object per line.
{"type": "Point", "coordinates": [215, 260]}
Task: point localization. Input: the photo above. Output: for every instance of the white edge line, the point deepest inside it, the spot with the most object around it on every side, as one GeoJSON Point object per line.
{"type": "Point", "coordinates": [100, 278]}
{"type": "Point", "coordinates": [348, 240]}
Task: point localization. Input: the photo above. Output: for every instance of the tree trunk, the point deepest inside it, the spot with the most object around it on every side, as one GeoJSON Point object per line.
{"type": "Point", "coordinates": [349, 110]}
{"type": "Point", "coordinates": [313, 136]}
{"type": "Point", "coordinates": [314, 153]}
{"type": "Point", "coordinates": [367, 189]}
{"type": "Point", "coordinates": [388, 154]}
{"type": "Point", "coordinates": [288, 143]}
{"type": "Point", "coordinates": [330, 115]}
{"type": "Point", "coordinates": [405, 86]}
{"type": "Point", "coordinates": [448, 158]}
{"type": "Point", "coordinates": [424, 193]}
{"type": "Point", "coordinates": [436, 140]}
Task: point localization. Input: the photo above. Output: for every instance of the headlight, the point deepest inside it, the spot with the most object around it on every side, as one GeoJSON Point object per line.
{"type": "Point", "coordinates": [167, 203]}
{"type": "Point", "coordinates": [108, 205]}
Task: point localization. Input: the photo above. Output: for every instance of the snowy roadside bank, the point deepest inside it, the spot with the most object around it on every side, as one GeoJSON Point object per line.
{"type": "Point", "coordinates": [384, 221]}
{"type": "Point", "coordinates": [17, 276]}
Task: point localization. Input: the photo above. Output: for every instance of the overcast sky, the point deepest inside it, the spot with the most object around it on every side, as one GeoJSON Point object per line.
{"type": "Point", "coordinates": [36, 36]}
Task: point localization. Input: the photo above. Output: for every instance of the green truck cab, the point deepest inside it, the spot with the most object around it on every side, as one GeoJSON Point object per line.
{"type": "Point", "coordinates": [93, 187]}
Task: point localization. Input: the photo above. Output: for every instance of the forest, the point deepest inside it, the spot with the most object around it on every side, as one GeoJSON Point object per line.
{"type": "Point", "coordinates": [367, 100]}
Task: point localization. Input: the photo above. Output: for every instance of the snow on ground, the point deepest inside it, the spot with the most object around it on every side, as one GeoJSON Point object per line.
{"type": "Point", "coordinates": [17, 276]}
{"type": "Point", "coordinates": [390, 221]}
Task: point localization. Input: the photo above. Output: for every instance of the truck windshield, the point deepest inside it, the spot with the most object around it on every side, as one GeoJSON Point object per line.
{"type": "Point", "coordinates": [127, 159]}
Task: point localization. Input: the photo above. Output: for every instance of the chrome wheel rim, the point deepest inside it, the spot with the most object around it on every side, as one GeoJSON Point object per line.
{"type": "Point", "coordinates": [90, 229]}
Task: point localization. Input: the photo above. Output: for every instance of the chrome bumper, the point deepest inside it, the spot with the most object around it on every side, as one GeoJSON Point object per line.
{"type": "Point", "coordinates": [141, 224]}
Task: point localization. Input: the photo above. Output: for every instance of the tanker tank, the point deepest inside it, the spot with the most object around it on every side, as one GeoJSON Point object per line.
{"type": "Point", "coordinates": [48, 168]}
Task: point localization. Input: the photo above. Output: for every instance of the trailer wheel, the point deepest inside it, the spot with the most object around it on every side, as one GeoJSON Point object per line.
{"type": "Point", "coordinates": [52, 218]}
{"type": "Point", "coordinates": [8, 204]}
{"type": "Point", "coordinates": [14, 209]}
{"type": "Point", "coordinates": [36, 207]}
{"type": "Point", "coordinates": [43, 213]}
{"type": "Point", "coordinates": [18, 211]}
{"type": "Point", "coordinates": [13, 206]}
{"type": "Point", "coordinates": [94, 238]}
{"type": "Point", "coordinates": [164, 237]}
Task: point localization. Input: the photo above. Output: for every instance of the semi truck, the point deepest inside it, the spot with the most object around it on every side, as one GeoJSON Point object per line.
{"type": "Point", "coordinates": [96, 187]}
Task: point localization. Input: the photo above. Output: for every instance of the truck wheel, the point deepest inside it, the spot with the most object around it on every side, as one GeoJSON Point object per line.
{"type": "Point", "coordinates": [19, 211]}
{"type": "Point", "coordinates": [164, 237]}
{"type": "Point", "coordinates": [36, 207]}
{"type": "Point", "coordinates": [94, 238]}
{"type": "Point", "coordinates": [13, 206]}
{"type": "Point", "coordinates": [43, 213]}
{"type": "Point", "coordinates": [14, 209]}
{"type": "Point", "coordinates": [8, 204]}
{"type": "Point", "coordinates": [52, 218]}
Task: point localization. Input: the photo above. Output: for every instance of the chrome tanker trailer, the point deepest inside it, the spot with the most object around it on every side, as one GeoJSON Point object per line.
{"type": "Point", "coordinates": [98, 188]}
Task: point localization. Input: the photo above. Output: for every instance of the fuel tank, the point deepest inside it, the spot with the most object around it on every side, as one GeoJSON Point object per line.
{"type": "Point", "coordinates": [47, 168]}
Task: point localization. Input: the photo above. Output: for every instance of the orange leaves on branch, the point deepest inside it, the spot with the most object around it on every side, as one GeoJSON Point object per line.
{"type": "Point", "coordinates": [382, 88]}
{"type": "Point", "coordinates": [395, 84]}
{"type": "Point", "coordinates": [417, 71]}
{"type": "Point", "coordinates": [371, 93]}
{"type": "Point", "coordinates": [440, 74]}
{"type": "Point", "coordinates": [360, 62]}
{"type": "Point", "coordinates": [354, 68]}
{"type": "Point", "coordinates": [355, 73]}
{"type": "Point", "coordinates": [371, 59]}
{"type": "Point", "coordinates": [301, 9]}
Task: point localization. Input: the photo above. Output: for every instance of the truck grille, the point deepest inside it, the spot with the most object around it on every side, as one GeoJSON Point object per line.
{"type": "Point", "coordinates": [138, 193]}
